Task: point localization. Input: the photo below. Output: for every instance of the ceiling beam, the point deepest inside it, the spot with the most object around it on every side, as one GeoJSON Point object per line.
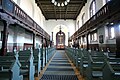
{"type": "Point", "coordinates": [71, 11]}
{"type": "Point", "coordinates": [59, 18]}
{"type": "Point", "coordinates": [55, 12]}
{"type": "Point", "coordinates": [66, 11]}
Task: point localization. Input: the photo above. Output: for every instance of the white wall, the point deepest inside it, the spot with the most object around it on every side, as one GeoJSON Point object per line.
{"type": "Point", "coordinates": [31, 8]}
{"type": "Point", "coordinates": [102, 30]}
{"type": "Point", "coordinates": [67, 26]}
{"type": "Point", "coordinates": [85, 9]}
{"type": "Point", "coordinates": [38, 42]}
{"type": "Point", "coordinates": [18, 35]}
{"type": "Point", "coordinates": [51, 24]}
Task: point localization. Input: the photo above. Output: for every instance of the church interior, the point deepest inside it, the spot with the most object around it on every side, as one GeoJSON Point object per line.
{"type": "Point", "coordinates": [59, 39]}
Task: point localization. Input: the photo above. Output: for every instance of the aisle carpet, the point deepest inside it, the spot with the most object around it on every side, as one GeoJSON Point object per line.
{"type": "Point", "coordinates": [59, 68]}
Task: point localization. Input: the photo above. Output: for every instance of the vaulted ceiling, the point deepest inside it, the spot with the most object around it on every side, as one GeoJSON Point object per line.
{"type": "Point", "coordinates": [70, 11]}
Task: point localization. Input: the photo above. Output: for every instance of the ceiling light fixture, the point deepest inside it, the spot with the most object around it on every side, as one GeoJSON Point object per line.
{"type": "Point", "coordinates": [68, 0]}
{"type": "Point", "coordinates": [65, 2]}
{"type": "Point", "coordinates": [53, 1]}
{"type": "Point", "coordinates": [60, 3]}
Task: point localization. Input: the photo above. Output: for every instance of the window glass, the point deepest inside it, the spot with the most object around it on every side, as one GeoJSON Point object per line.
{"type": "Point", "coordinates": [92, 8]}
{"type": "Point", "coordinates": [84, 39]}
{"type": "Point", "coordinates": [78, 24]}
{"type": "Point", "coordinates": [83, 18]}
{"type": "Point", "coordinates": [94, 36]}
{"type": "Point", "coordinates": [111, 32]}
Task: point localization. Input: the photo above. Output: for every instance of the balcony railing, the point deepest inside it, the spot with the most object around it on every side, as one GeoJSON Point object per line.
{"type": "Point", "coordinates": [108, 10]}
{"type": "Point", "coordinates": [17, 13]}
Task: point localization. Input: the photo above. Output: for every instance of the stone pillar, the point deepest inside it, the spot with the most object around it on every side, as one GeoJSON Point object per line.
{"type": "Point", "coordinates": [4, 38]}
{"type": "Point", "coordinates": [117, 30]}
{"type": "Point", "coordinates": [87, 40]}
{"type": "Point", "coordinates": [34, 35]}
{"type": "Point", "coordinates": [42, 53]}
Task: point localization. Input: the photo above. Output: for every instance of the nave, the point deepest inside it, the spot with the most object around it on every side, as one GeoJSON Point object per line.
{"type": "Point", "coordinates": [68, 64]}
{"type": "Point", "coordinates": [94, 64]}
{"type": "Point", "coordinates": [60, 68]}
{"type": "Point", "coordinates": [29, 39]}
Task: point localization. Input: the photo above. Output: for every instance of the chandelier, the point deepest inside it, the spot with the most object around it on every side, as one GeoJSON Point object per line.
{"type": "Point", "coordinates": [64, 3]}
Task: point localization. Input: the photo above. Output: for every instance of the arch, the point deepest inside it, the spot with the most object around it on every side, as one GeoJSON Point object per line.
{"type": "Point", "coordinates": [60, 40]}
{"type": "Point", "coordinates": [64, 30]}
{"type": "Point", "coordinates": [92, 9]}
{"type": "Point", "coordinates": [83, 18]}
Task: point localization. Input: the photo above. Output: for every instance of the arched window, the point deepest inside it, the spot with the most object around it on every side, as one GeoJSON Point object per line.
{"type": "Point", "coordinates": [78, 24]}
{"type": "Point", "coordinates": [94, 36]}
{"type": "Point", "coordinates": [83, 18]}
{"type": "Point", "coordinates": [111, 32]}
{"type": "Point", "coordinates": [92, 8]}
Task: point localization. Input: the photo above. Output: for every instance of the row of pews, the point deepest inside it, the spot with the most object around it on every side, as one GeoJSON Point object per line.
{"type": "Point", "coordinates": [24, 65]}
{"type": "Point", "coordinates": [95, 65]}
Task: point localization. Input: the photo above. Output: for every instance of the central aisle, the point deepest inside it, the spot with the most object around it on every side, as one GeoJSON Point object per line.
{"type": "Point", "coordinates": [59, 68]}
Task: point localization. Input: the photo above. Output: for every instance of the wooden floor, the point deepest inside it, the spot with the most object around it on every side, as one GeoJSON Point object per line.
{"type": "Point", "coordinates": [74, 68]}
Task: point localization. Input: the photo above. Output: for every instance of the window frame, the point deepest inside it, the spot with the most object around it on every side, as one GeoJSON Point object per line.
{"type": "Point", "coordinates": [78, 24]}
{"type": "Point", "coordinates": [83, 18]}
{"type": "Point", "coordinates": [94, 36]}
{"type": "Point", "coordinates": [110, 35]}
{"type": "Point", "coordinates": [92, 9]}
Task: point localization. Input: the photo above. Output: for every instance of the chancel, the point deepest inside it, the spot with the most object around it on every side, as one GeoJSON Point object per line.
{"type": "Point", "coordinates": [59, 39]}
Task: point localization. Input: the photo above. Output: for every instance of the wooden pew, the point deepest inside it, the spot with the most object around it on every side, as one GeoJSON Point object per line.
{"type": "Point", "coordinates": [10, 54]}
{"type": "Point", "coordinates": [43, 57]}
{"type": "Point", "coordinates": [37, 61]}
{"type": "Point", "coordinates": [24, 53]}
{"type": "Point", "coordinates": [97, 54]}
{"type": "Point", "coordinates": [95, 67]}
{"type": "Point", "coordinates": [27, 67]}
{"type": "Point", "coordinates": [110, 55]}
{"type": "Point", "coordinates": [74, 57]}
{"type": "Point", "coordinates": [10, 68]}
{"type": "Point", "coordinates": [69, 53]}
{"type": "Point", "coordinates": [47, 55]}
{"type": "Point", "coordinates": [83, 62]}
{"type": "Point", "coordinates": [50, 52]}
{"type": "Point", "coordinates": [78, 58]}
{"type": "Point", "coordinates": [111, 70]}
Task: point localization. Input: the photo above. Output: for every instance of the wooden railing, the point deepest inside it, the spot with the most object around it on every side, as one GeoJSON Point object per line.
{"type": "Point", "coordinates": [103, 14]}
{"type": "Point", "coordinates": [16, 12]}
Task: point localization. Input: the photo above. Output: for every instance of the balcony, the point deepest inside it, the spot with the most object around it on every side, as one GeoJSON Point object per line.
{"type": "Point", "coordinates": [106, 14]}
{"type": "Point", "coordinates": [11, 12]}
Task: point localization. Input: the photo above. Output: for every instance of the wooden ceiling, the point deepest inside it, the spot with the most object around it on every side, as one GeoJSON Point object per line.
{"type": "Point", "coordinates": [70, 11]}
